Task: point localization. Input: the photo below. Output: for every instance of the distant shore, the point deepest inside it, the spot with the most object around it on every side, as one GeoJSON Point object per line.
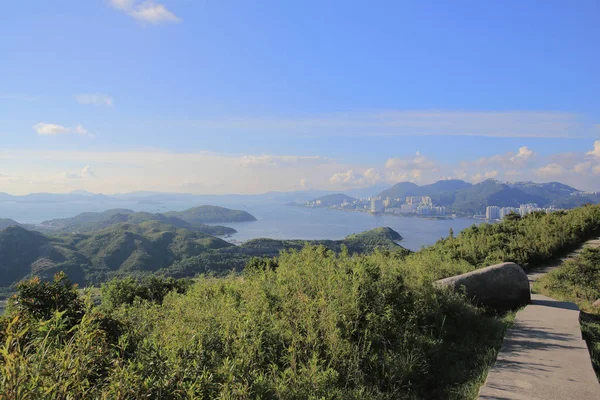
{"type": "Point", "coordinates": [366, 210]}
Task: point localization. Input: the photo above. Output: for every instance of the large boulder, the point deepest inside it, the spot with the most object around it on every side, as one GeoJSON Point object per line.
{"type": "Point", "coordinates": [501, 286]}
{"type": "Point", "coordinates": [596, 304]}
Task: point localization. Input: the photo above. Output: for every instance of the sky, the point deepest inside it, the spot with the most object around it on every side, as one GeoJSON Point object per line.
{"type": "Point", "coordinates": [216, 97]}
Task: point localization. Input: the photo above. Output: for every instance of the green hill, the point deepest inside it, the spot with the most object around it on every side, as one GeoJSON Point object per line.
{"type": "Point", "coordinates": [92, 221]}
{"type": "Point", "coordinates": [490, 192]}
{"type": "Point", "coordinates": [24, 252]}
{"type": "Point", "coordinates": [463, 197]}
{"type": "Point", "coordinates": [334, 199]}
{"type": "Point", "coordinates": [95, 256]}
{"type": "Point", "coordinates": [211, 214]}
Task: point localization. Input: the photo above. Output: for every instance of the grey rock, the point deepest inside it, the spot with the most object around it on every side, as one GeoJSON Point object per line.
{"type": "Point", "coordinates": [502, 286]}
{"type": "Point", "coordinates": [596, 304]}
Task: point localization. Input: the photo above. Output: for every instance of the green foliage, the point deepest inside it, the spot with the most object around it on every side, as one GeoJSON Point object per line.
{"type": "Point", "coordinates": [93, 221]}
{"type": "Point", "coordinates": [125, 291]}
{"type": "Point", "coordinates": [578, 280]}
{"type": "Point", "coordinates": [94, 257]}
{"type": "Point", "coordinates": [211, 214]}
{"type": "Point", "coordinates": [41, 299]}
{"type": "Point", "coordinates": [316, 325]}
{"type": "Point", "coordinates": [526, 241]}
{"type": "Point", "coordinates": [590, 329]}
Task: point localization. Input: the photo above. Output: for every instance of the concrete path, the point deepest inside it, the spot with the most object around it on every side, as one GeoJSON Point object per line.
{"type": "Point", "coordinates": [543, 355]}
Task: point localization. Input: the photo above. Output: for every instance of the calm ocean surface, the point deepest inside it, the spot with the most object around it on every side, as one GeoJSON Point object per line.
{"type": "Point", "coordinates": [274, 220]}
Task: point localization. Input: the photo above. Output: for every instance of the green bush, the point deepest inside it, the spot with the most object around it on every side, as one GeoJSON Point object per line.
{"type": "Point", "coordinates": [41, 299]}
{"type": "Point", "coordinates": [125, 291]}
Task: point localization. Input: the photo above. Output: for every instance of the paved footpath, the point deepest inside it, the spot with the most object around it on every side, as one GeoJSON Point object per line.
{"type": "Point", "coordinates": [543, 356]}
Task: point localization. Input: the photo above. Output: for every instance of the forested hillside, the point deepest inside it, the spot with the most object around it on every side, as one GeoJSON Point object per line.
{"type": "Point", "coordinates": [92, 221]}
{"type": "Point", "coordinates": [147, 248]}
{"type": "Point", "coordinates": [463, 197]}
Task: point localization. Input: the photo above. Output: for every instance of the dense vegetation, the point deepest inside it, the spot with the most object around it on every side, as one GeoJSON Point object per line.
{"type": "Point", "coordinates": [578, 280]}
{"type": "Point", "coordinates": [211, 214]}
{"type": "Point", "coordinates": [93, 221]}
{"type": "Point", "coordinates": [463, 197]}
{"type": "Point", "coordinates": [311, 324]}
{"type": "Point", "coordinates": [97, 256]}
{"type": "Point", "coordinates": [149, 247]}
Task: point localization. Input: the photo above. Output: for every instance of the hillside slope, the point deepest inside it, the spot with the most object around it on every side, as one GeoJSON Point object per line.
{"type": "Point", "coordinates": [92, 221]}
{"type": "Point", "coordinates": [94, 257]}
{"type": "Point", "coordinates": [211, 214]}
{"type": "Point", "coordinates": [463, 197]}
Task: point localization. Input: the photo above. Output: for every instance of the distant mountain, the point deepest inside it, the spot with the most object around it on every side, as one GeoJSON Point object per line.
{"type": "Point", "coordinates": [463, 197]}
{"type": "Point", "coordinates": [492, 193]}
{"type": "Point", "coordinates": [211, 214]}
{"type": "Point", "coordinates": [92, 221]}
{"type": "Point", "coordinates": [78, 196]}
{"type": "Point", "coordinates": [550, 190]}
{"type": "Point", "coordinates": [404, 189]}
{"type": "Point", "coordinates": [5, 223]}
{"type": "Point", "coordinates": [334, 199]}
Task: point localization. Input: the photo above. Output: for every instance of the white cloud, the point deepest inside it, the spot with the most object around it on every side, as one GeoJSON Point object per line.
{"type": "Point", "coordinates": [524, 154]}
{"type": "Point", "coordinates": [491, 174]}
{"type": "Point", "coordinates": [582, 167]}
{"type": "Point", "coordinates": [147, 11]}
{"type": "Point", "coordinates": [96, 99]}
{"type": "Point", "coordinates": [507, 160]}
{"type": "Point", "coordinates": [596, 151]}
{"type": "Point", "coordinates": [356, 178]}
{"type": "Point", "coordinates": [85, 173]}
{"type": "Point", "coordinates": [45, 129]}
{"type": "Point", "coordinates": [551, 170]}
{"type": "Point", "coordinates": [596, 170]}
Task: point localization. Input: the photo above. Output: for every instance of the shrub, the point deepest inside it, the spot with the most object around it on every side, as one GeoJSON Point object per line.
{"type": "Point", "coordinates": [42, 299]}
{"type": "Point", "coordinates": [154, 289]}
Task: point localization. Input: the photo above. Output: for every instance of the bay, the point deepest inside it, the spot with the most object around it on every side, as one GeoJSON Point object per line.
{"type": "Point", "coordinates": [274, 221]}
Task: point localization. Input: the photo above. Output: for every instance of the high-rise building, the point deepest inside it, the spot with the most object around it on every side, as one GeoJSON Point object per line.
{"type": "Point", "coordinates": [377, 206]}
{"type": "Point", "coordinates": [504, 211]}
{"type": "Point", "coordinates": [492, 212]}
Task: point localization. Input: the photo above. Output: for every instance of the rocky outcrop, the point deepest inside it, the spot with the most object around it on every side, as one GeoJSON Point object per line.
{"type": "Point", "coordinates": [596, 304]}
{"type": "Point", "coordinates": [501, 286]}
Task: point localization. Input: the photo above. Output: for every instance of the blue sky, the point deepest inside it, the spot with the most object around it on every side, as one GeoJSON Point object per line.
{"type": "Point", "coordinates": [246, 97]}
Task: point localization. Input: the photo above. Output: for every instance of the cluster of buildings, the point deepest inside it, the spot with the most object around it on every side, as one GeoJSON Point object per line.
{"type": "Point", "coordinates": [495, 212]}
{"type": "Point", "coordinates": [420, 205]}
